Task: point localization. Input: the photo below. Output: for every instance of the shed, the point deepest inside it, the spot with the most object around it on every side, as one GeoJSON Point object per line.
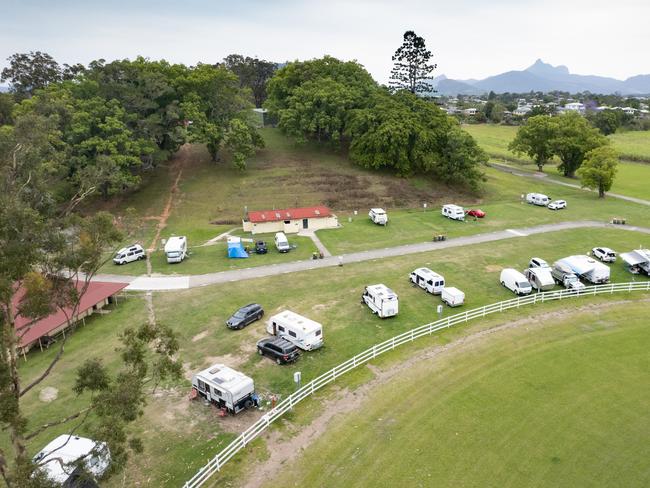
{"type": "Point", "coordinates": [290, 220]}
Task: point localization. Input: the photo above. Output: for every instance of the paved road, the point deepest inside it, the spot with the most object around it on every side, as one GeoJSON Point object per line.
{"type": "Point", "coordinates": [161, 283]}
{"type": "Point", "coordinates": [509, 169]}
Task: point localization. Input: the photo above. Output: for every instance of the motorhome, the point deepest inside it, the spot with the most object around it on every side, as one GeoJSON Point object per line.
{"type": "Point", "coordinates": [378, 216]}
{"type": "Point", "coordinates": [62, 459]}
{"type": "Point", "coordinates": [454, 212]}
{"type": "Point", "coordinates": [427, 280]}
{"type": "Point", "coordinates": [225, 387]}
{"type": "Point", "coordinates": [176, 249]}
{"type": "Point", "coordinates": [587, 268]}
{"type": "Point", "coordinates": [452, 296]}
{"type": "Point", "coordinates": [516, 282]}
{"type": "Point", "coordinates": [637, 261]}
{"type": "Point", "coordinates": [540, 278]}
{"type": "Point", "coordinates": [305, 333]}
{"type": "Point", "coordinates": [538, 199]}
{"type": "Point", "coordinates": [281, 242]}
{"type": "Point", "coordinates": [565, 276]}
{"type": "Point", "coordinates": [381, 300]}
{"type": "Point", "coordinates": [129, 254]}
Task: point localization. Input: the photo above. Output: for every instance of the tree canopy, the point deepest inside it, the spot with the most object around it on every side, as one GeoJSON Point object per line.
{"type": "Point", "coordinates": [599, 169]}
{"type": "Point", "coordinates": [253, 73]}
{"type": "Point", "coordinates": [412, 66]}
{"type": "Point", "coordinates": [535, 139]}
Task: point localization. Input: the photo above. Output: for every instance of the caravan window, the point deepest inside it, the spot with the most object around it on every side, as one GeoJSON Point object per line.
{"type": "Point", "coordinates": [292, 333]}
{"type": "Point", "coordinates": [216, 392]}
{"type": "Point", "coordinates": [280, 328]}
{"type": "Point", "coordinates": [430, 282]}
{"type": "Point", "coordinates": [318, 332]}
{"type": "Point", "coordinates": [202, 386]}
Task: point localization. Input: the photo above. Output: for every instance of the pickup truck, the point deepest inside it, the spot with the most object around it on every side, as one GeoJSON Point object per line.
{"type": "Point", "coordinates": [565, 277]}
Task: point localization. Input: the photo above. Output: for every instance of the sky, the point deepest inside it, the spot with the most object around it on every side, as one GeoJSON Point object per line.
{"type": "Point", "coordinates": [468, 38]}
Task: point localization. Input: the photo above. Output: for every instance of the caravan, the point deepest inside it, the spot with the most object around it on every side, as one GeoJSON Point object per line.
{"type": "Point", "coordinates": [378, 216]}
{"type": "Point", "coordinates": [637, 261]}
{"type": "Point", "coordinates": [305, 333]}
{"type": "Point", "coordinates": [225, 387]}
{"type": "Point", "coordinates": [540, 278]}
{"type": "Point", "coordinates": [427, 280]}
{"type": "Point", "coordinates": [453, 212]}
{"type": "Point", "coordinates": [176, 249]}
{"type": "Point", "coordinates": [381, 300]}
{"type": "Point", "coordinates": [538, 199]}
{"type": "Point", "coordinates": [587, 268]}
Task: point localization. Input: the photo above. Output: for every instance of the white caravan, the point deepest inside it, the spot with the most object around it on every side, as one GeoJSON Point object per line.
{"type": "Point", "coordinates": [587, 268]}
{"type": "Point", "coordinates": [540, 278]}
{"type": "Point", "coordinates": [452, 296]}
{"type": "Point", "coordinates": [129, 254]}
{"type": "Point", "coordinates": [378, 216]}
{"type": "Point", "coordinates": [428, 280]}
{"type": "Point", "coordinates": [381, 300]}
{"type": "Point", "coordinates": [538, 199]}
{"type": "Point", "coordinates": [516, 282]}
{"type": "Point", "coordinates": [637, 261]}
{"type": "Point", "coordinates": [281, 242]}
{"type": "Point", "coordinates": [454, 212]}
{"type": "Point", "coordinates": [225, 387]}
{"type": "Point", "coordinates": [305, 333]}
{"type": "Point", "coordinates": [176, 249]}
{"type": "Point", "coordinates": [61, 457]}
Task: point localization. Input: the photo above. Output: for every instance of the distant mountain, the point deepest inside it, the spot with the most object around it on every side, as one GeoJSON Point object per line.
{"type": "Point", "coordinates": [541, 76]}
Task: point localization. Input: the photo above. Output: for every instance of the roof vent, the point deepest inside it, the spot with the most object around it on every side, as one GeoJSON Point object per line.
{"type": "Point", "coordinates": [317, 212]}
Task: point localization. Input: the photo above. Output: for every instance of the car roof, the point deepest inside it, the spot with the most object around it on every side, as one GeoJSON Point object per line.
{"type": "Point", "coordinates": [250, 305]}
{"type": "Point", "coordinates": [278, 341]}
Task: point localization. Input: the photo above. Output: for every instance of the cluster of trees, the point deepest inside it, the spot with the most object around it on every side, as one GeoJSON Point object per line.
{"type": "Point", "coordinates": [580, 148]}
{"type": "Point", "coordinates": [338, 103]}
{"type": "Point", "coordinates": [119, 119]}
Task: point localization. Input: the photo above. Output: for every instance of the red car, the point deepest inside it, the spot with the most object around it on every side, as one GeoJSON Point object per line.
{"type": "Point", "coordinates": [476, 212]}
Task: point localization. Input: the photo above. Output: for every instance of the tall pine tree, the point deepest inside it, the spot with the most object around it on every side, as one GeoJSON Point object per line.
{"type": "Point", "coordinates": [411, 65]}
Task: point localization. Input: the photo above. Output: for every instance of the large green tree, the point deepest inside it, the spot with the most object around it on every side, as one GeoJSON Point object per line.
{"type": "Point", "coordinates": [574, 138]}
{"type": "Point", "coordinates": [607, 121]}
{"type": "Point", "coordinates": [599, 169]}
{"type": "Point", "coordinates": [253, 73]}
{"type": "Point", "coordinates": [535, 139]}
{"type": "Point", "coordinates": [412, 65]}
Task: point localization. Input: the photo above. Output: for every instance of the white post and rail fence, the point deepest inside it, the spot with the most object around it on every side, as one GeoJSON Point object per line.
{"type": "Point", "coordinates": [254, 431]}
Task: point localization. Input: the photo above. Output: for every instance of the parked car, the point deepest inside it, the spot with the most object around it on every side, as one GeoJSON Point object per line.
{"type": "Point", "coordinates": [538, 263]}
{"type": "Point", "coordinates": [129, 254]}
{"type": "Point", "coordinates": [278, 349]}
{"type": "Point", "coordinates": [476, 212]}
{"type": "Point", "coordinates": [605, 254]}
{"type": "Point", "coordinates": [245, 315]}
{"type": "Point", "coordinates": [557, 205]}
{"type": "Point", "coordinates": [260, 247]}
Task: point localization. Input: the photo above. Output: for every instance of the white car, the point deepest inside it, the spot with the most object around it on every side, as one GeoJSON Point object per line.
{"type": "Point", "coordinates": [605, 254]}
{"type": "Point", "coordinates": [557, 205]}
{"type": "Point", "coordinates": [129, 254]}
{"type": "Point", "coordinates": [538, 263]}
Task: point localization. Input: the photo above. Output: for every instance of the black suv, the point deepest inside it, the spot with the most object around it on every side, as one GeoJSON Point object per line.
{"type": "Point", "coordinates": [245, 315]}
{"type": "Point", "coordinates": [260, 247]}
{"type": "Point", "coordinates": [279, 349]}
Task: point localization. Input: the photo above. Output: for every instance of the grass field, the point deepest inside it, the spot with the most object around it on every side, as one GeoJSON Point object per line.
{"type": "Point", "coordinates": [558, 405]}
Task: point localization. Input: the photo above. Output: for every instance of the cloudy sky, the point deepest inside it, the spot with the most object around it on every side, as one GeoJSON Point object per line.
{"type": "Point", "coordinates": [469, 38]}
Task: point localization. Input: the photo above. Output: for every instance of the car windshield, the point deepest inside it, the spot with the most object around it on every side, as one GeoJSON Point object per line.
{"type": "Point", "coordinates": [119, 256]}
{"type": "Point", "coordinates": [523, 284]}
{"type": "Point", "coordinates": [173, 254]}
{"type": "Point", "coordinates": [239, 314]}
{"type": "Point", "coordinates": [572, 278]}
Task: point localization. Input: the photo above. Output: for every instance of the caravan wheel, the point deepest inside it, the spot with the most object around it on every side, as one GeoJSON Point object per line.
{"type": "Point", "coordinates": [248, 404]}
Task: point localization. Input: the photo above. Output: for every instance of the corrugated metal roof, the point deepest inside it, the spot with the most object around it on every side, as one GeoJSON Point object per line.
{"type": "Point", "coordinates": [289, 214]}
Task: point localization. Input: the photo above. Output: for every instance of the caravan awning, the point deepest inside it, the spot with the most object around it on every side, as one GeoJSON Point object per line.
{"type": "Point", "coordinates": [633, 258]}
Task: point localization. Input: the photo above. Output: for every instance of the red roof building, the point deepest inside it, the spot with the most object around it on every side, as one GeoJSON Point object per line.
{"type": "Point", "coordinates": [290, 220]}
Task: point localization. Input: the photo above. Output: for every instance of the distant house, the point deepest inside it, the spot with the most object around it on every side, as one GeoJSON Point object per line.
{"type": "Point", "coordinates": [522, 111]}
{"type": "Point", "coordinates": [629, 110]}
{"type": "Point", "coordinates": [469, 111]}
{"type": "Point", "coordinates": [575, 107]}
{"type": "Point", "coordinates": [290, 220]}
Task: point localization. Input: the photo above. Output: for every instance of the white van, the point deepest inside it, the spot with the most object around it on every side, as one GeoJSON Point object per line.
{"type": "Point", "coordinates": [454, 212]}
{"type": "Point", "coordinates": [225, 387]}
{"type": "Point", "coordinates": [176, 249]}
{"type": "Point", "coordinates": [514, 281]}
{"type": "Point", "coordinates": [61, 458]}
{"type": "Point", "coordinates": [381, 300]}
{"type": "Point", "coordinates": [129, 254]}
{"type": "Point", "coordinates": [538, 199]}
{"type": "Point", "coordinates": [427, 280]}
{"type": "Point", "coordinates": [281, 242]}
{"type": "Point", "coordinates": [452, 296]}
{"type": "Point", "coordinates": [378, 216]}
{"type": "Point", "coordinates": [540, 278]}
{"type": "Point", "coordinates": [305, 333]}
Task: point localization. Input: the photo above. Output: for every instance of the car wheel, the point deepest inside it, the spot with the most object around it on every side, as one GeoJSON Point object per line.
{"type": "Point", "coordinates": [277, 360]}
{"type": "Point", "coordinates": [240, 327]}
{"type": "Point", "coordinates": [503, 283]}
{"type": "Point", "coordinates": [260, 315]}
{"type": "Point", "coordinates": [259, 351]}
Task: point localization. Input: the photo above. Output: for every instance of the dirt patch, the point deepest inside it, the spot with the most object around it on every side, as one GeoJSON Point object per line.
{"type": "Point", "coordinates": [493, 268]}
{"type": "Point", "coordinates": [48, 394]}
{"type": "Point", "coordinates": [345, 401]}
{"type": "Point", "coordinates": [200, 335]}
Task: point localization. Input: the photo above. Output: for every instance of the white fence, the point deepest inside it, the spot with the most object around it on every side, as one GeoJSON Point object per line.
{"type": "Point", "coordinates": [217, 462]}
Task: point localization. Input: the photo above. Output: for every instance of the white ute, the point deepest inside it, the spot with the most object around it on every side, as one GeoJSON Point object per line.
{"type": "Point", "coordinates": [378, 216]}
{"type": "Point", "coordinates": [538, 199]}
{"type": "Point", "coordinates": [225, 387]}
{"type": "Point", "coordinates": [428, 280]}
{"type": "Point", "coordinates": [454, 212]}
{"type": "Point", "coordinates": [305, 333]}
{"type": "Point", "coordinates": [452, 296]}
{"type": "Point", "coordinates": [516, 282]}
{"type": "Point", "coordinates": [381, 300]}
{"type": "Point", "coordinates": [129, 254]}
{"type": "Point", "coordinates": [176, 249]}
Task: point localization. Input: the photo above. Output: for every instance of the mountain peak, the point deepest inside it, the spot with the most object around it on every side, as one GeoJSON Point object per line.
{"type": "Point", "coordinates": [541, 68]}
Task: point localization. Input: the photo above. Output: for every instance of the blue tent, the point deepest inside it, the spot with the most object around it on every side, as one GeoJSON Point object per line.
{"type": "Point", "coordinates": [236, 248]}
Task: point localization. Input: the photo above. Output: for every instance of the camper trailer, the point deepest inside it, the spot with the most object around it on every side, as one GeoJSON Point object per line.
{"type": "Point", "coordinates": [281, 242]}
{"type": "Point", "coordinates": [453, 212]}
{"type": "Point", "coordinates": [452, 296]}
{"type": "Point", "coordinates": [565, 276]}
{"type": "Point", "coordinates": [378, 216]}
{"type": "Point", "coordinates": [225, 387]}
{"type": "Point", "coordinates": [427, 280]}
{"type": "Point", "coordinates": [587, 268]}
{"type": "Point", "coordinates": [305, 333]}
{"type": "Point", "coordinates": [63, 459]}
{"type": "Point", "coordinates": [637, 261]}
{"type": "Point", "coordinates": [538, 199]}
{"type": "Point", "coordinates": [516, 282]}
{"type": "Point", "coordinates": [540, 278]}
{"type": "Point", "coordinates": [176, 249]}
{"type": "Point", "coordinates": [381, 300]}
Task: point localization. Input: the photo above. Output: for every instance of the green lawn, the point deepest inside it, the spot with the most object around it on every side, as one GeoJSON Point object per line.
{"type": "Point", "coordinates": [633, 145]}
{"type": "Point", "coordinates": [559, 405]}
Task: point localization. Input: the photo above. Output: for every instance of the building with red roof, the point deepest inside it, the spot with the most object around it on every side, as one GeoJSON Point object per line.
{"type": "Point", "coordinates": [290, 220]}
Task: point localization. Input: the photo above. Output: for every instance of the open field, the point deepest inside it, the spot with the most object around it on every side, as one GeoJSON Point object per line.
{"type": "Point", "coordinates": [181, 436]}
{"type": "Point", "coordinates": [557, 404]}
{"type": "Point", "coordinates": [633, 145]}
